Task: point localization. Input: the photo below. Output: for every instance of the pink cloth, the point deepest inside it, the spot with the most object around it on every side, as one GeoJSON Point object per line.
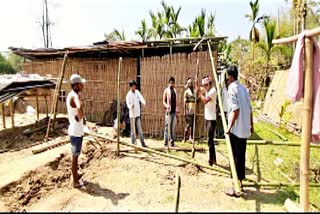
{"type": "Point", "coordinates": [295, 82]}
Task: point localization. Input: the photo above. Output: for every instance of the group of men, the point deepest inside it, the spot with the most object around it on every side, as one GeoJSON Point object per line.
{"type": "Point", "coordinates": [234, 94]}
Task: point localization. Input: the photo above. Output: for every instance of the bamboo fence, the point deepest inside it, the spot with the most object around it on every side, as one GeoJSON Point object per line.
{"type": "Point", "coordinates": [155, 73]}
{"type": "Point", "coordinates": [101, 86]}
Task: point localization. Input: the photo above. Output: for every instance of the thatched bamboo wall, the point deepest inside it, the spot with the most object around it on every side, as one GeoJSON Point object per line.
{"type": "Point", "coordinates": [155, 73]}
{"type": "Point", "coordinates": [101, 86]}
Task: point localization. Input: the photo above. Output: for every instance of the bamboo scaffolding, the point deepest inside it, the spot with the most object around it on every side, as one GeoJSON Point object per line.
{"type": "Point", "coordinates": [220, 170]}
{"type": "Point", "coordinates": [118, 107]}
{"type": "Point", "coordinates": [307, 113]}
{"type": "Point", "coordinates": [231, 158]}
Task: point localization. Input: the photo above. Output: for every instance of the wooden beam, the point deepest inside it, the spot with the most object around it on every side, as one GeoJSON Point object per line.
{"type": "Point", "coordinates": [11, 113]}
{"type": "Point", "coordinates": [176, 149]}
{"type": "Point", "coordinates": [3, 115]}
{"type": "Point", "coordinates": [224, 123]}
{"type": "Point", "coordinates": [306, 126]}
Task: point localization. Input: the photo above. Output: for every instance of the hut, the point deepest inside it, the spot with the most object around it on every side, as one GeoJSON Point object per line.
{"type": "Point", "coordinates": [151, 63]}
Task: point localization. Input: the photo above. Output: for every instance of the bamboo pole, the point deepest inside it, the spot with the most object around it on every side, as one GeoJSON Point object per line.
{"type": "Point", "coordinates": [275, 143]}
{"type": "Point", "coordinates": [46, 102]}
{"type": "Point", "coordinates": [177, 198]}
{"type": "Point", "coordinates": [56, 95]}
{"type": "Point", "coordinates": [164, 149]}
{"type": "Point", "coordinates": [195, 113]}
{"type": "Point", "coordinates": [257, 184]}
{"type": "Point", "coordinates": [306, 126]}
{"type": "Point", "coordinates": [223, 117]}
{"type": "Point", "coordinates": [64, 64]}
{"type": "Point", "coordinates": [118, 108]}
{"type": "Point", "coordinates": [308, 33]}
{"type": "Point", "coordinates": [3, 115]}
{"type": "Point", "coordinates": [37, 103]}
{"type": "Point", "coordinates": [11, 113]}
{"type": "Point", "coordinates": [221, 170]}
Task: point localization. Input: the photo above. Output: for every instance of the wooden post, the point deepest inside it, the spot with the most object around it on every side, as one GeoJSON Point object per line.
{"type": "Point", "coordinates": [118, 108]}
{"type": "Point", "coordinates": [56, 96]}
{"type": "Point", "coordinates": [11, 113]}
{"type": "Point", "coordinates": [3, 115]}
{"type": "Point", "coordinates": [37, 102]}
{"type": "Point", "coordinates": [306, 126]}
{"type": "Point", "coordinates": [177, 198]}
{"type": "Point", "coordinates": [46, 101]}
{"type": "Point", "coordinates": [223, 117]}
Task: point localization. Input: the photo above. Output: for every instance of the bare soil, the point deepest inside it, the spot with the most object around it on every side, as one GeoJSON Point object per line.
{"type": "Point", "coordinates": [130, 182]}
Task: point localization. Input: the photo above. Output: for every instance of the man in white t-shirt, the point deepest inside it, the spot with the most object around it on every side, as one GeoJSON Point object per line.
{"type": "Point", "coordinates": [133, 100]}
{"type": "Point", "coordinates": [209, 96]}
{"type": "Point", "coordinates": [76, 124]}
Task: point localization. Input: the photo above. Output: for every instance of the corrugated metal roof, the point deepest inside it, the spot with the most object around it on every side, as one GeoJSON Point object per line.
{"type": "Point", "coordinates": [13, 85]}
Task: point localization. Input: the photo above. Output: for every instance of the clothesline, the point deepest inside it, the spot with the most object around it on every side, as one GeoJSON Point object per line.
{"type": "Point", "coordinates": [309, 33]}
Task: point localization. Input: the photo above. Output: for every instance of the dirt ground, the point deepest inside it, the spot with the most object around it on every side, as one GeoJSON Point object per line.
{"type": "Point", "coordinates": [130, 182]}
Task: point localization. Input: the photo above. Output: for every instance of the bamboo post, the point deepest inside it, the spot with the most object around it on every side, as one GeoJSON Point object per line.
{"type": "Point", "coordinates": [177, 198]}
{"type": "Point", "coordinates": [221, 170]}
{"type": "Point", "coordinates": [306, 126]}
{"type": "Point", "coordinates": [231, 158]}
{"type": "Point", "coordinates": [3, 115]}
{"type": "Point", "coordinates": [56, 95]}
{"type": "Point", "coordinates": [46, 102]}
{"type": "Point", "coordinates": [37, 103]}
{"type": "Point", "coordinates": [11, 113]}
{"type": "Point", "coordinates": [64, 64]}
{"type": "Point", "coordinates": [118, 108]}
{"type": "Point", "coordinates": [195, 113]}
{"type": "Point", "coordinates": [134, 124]}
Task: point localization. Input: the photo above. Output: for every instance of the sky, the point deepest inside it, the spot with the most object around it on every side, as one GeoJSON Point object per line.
{"type": "Point", "coordinates": [82, 22]}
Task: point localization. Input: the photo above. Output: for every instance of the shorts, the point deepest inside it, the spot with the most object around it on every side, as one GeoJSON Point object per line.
{"type": "Point", "coordinates": [76, 145]}
{"type": "Point", "coordinates": [189, 120]}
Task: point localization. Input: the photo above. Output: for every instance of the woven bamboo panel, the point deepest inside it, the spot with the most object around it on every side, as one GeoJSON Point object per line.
{"type": "Point", "coordinates": [101, 86]}
{"type": "Point", "coordinates": [155, 73]}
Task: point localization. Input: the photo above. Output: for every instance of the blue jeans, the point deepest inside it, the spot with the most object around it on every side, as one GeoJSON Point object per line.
{"type": "Point", "coordinates": [76, 145]}
{"type": "Point", "coordinates": [171, 121]}
{"type": "Point", "coordinates": [138, 127]}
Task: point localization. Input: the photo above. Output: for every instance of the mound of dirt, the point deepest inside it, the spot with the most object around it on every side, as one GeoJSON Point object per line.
{"type": "Point", "coordinates": [191, 169]}
{"type": "Point", "coordinates": [57, 174]}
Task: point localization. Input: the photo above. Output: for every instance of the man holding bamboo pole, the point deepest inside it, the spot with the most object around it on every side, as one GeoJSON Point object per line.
{"type": "Point", "coordinates": [133, 100]}
{"type": "Point", "coordinates": [240, 121]}
{"type": "Point", "coordinates": [208, 95]}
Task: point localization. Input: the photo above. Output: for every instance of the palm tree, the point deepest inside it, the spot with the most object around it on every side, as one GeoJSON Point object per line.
{"type": "Point", "coordinates": [175, 28]}
{"type": "Point", "coordinates": [116, 35]}
{"type": "Point", "coordinates": [157, 29]}
{"type": "Point", "coordinates": [211, 25]}
{"type": "Point", "coordinates": [267, 46]}
{"type": "Point", "coordinates": [166, 18]}
{"type": "Point", "coordinates": [143, 31]}
{"type": "Point", "coordinates": [254, 18]}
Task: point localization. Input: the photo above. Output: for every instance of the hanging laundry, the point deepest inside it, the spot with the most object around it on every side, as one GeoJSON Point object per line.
{"type": "Point", "coordinates": [295, 82]}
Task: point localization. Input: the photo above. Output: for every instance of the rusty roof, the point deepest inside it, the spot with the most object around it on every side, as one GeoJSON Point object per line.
{"type": "Point", "coordinates": [118, 48]}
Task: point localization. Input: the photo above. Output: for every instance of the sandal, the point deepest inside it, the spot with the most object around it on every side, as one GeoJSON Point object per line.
{"type": "Point", "coordinates": [231, 192]}
{"type": "Point", "coordinates": [80, 185]}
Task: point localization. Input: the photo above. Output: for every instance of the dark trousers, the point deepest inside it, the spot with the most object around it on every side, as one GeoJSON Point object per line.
{"type": "Point", "coordinates": [211, 126]}
{"type": "Point", "coordinates": [239, 146]}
